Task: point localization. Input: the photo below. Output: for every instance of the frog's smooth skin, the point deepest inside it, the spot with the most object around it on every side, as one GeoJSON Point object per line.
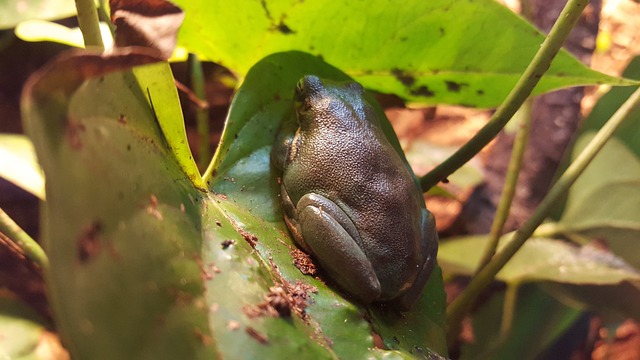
{"type": "Point", "coordinates": [348, 198]}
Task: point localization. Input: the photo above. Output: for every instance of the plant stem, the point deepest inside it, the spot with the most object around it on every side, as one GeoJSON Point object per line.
{"type": "Point", "coordinates": [463, 303]}
{"type": "Point", "coordinates": [523, 88]}
{"type": "Point", "coordinates": [510, 183]}
{"type": "Point", "coordinates": [509, 309]}
{"type": "Point", "coordinates": [89, 23]}
{"type": "Point", "coordinates": [202, 114]}
{"type": "Point", "coordinates": [22, 240]}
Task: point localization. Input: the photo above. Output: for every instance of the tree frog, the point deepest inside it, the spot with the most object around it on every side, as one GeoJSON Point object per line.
{"type": "Point", "coordinates": [349, 199]}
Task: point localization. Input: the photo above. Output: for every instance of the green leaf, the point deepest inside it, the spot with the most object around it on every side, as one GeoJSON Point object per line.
{"type": "Point", "coordinates": [429, 52]}
{"type": "Point", "coordinates": [540, 260]}
{"type": "Point", "coordinates": [561, 266]}
{"type": "Point", "coordinates": [531, 334]}
{"type": "Point", "coordinates": [19, 164]}
{"type": "Point", "coordinates": [15, 11]}
{"type": "Point", "coordinates": [604, 203]}
{"type": "Point", "coordinates": [20, 329]}
{"type": "Point", "coordinates": [143, 257]}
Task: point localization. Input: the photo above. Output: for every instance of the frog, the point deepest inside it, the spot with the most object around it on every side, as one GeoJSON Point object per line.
{"type": "Point", "coordinates": [348, 197]}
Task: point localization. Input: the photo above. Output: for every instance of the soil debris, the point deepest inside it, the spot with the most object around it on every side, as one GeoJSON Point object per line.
{"type": "Point", "coordinates": [303, 262]}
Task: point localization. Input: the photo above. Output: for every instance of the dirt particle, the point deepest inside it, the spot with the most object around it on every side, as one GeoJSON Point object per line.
{"type": "Point", "coordinates": [303, 262]}
{"type": "Point", "coordinates": [205, 339]}
{"type": "Point", "coordinates": [249, 237]}
{"type": "Point", "coordinates": [225, 244]}
{"type": "Point", "coordinates": [122, 119]}
{"type": "Point", "coordinates": [277, 303]}
{"type": "Point", "coordinates": [89, 243]}
{"type": "Point", "coordinates": [209, 273]}
{"type": "Point", "coordinates": [233, 325]}
{"type": "Point", "coordinates": [218, 223]}
{"type": "Point", "coordinates": [282, 300]}
{"type": "Point", "coordinates": [152, 208]}
{"type": "Point", "coordinates": [260, 337]}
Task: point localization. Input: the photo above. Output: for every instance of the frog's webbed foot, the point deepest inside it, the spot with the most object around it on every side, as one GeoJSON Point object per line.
{"type": "Point", "coordinates": [331, 236]}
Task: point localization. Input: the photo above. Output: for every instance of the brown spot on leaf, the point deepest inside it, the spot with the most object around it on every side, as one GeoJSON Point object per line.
{"type": "Point", "coordinates": [209, 273]}
{"type": "Point", "coordinates": [73, 134]}
{"type": "Point", "coordinates": [422, 91]}
{"type": "Point", "coordinates": [89, 244]}
{"type": "Point", "coordinates": [122, 119]}
{"type": "Point", "coordinates": [284, 28]}
{"type": "Point", "coordinates": [455, 86]}
{"type": "Point", "coordinates": [405, 79]}
{"type": "Point", "coordinates": [303, 262]}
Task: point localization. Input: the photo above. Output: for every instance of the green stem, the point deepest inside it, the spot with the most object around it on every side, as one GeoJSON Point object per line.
{"type": "Point", "coordinates": [525, 85]}
{"type": "Point", "coordinates": [463, 303]}
{"type": "Point", "coordinates": [202, 114]}
{"type": "Point", "coordinates": [510, 183]}
{"type": "Point", "coordinates": [509, 309]}
{"type": "Point", "coordinates": [89, 24]}
{"type": "Point", "coordinates": [22, 240]}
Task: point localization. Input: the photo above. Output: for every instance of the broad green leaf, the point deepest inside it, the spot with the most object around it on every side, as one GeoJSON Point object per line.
{"type": "Point", "coordinates": [428, 52]}
{"type": "Point", "coordinates": [13, 12]}
{"type": "Point", "coordinates": [561, 265]}
{"type": "Point", "coordinates": [144, 258]}
{"type": "Point", "coordinates": [135, 249]}
{"type": "Point", "coordinates": [610, 102]}
{"type": "Point", "coordinates": [540, 260]}
{"type": "Point", "coordinates": [20, 329]}
{"type": "Point", "coordinates": [19, 165]}
{"type": "Point", "coordinates": [241, 171]}
{"type": "Point", "coordinates": [604, 203]}
{"type": "Point", "coordinates": [530, 336]}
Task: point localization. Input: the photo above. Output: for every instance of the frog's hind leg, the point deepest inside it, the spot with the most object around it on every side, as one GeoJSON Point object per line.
{"type": "Point", "coordinates": [329, 233]}
{"type": "Point", "coordinates": [430, 250]}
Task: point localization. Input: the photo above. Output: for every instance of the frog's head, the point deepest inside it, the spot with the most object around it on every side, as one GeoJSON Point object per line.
{"type": "Point", "coordinates": [328, 103]}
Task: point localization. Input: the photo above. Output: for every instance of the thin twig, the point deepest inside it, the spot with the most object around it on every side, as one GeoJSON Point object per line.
{"type": "Point", "coordinates": [89, 23]}
{"type": "Point", "coordinates": [525, 85]}
{"type": "Point", "coordinates": [202, 114]}
{"type": "Point", "coordinates": [22, 240]}
{"type": "Point", "coordinates": [463, 303]}
{"type": "Point", "coordinates": [510, 183]}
